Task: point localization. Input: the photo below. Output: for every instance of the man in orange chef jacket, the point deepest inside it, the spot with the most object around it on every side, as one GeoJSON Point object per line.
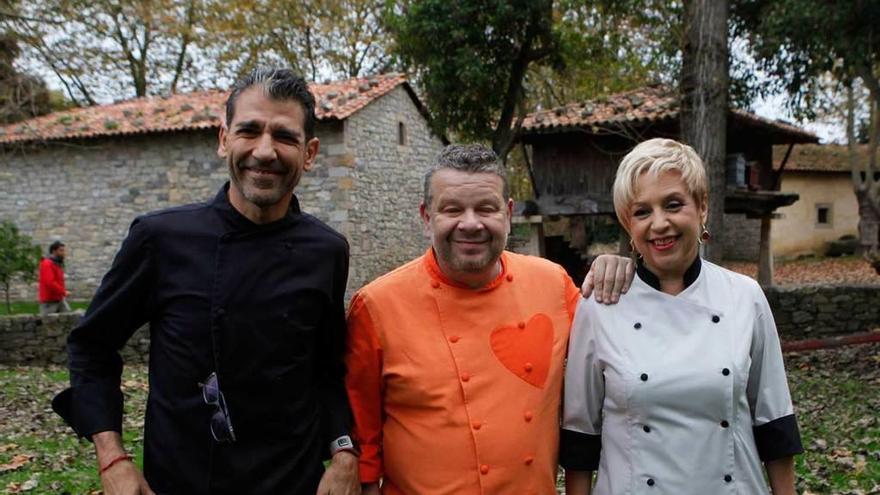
{"type": "Point", "coordinates": [455, 359]}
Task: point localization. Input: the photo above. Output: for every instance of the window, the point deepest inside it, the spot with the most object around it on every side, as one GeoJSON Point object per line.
{"type": "Point", "coordinates": [401, 134]}
{"type": "Point", "coordinates": [823, 215]}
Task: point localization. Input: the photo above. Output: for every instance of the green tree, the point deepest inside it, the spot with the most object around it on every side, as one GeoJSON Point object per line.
{"type": "Point", "coordinates": [482, 64]}
{"type": "Point", "coordinates": [471, 57]}
{"type": "Point", "coordinates": [608, 48]}
{"type": "Point", "coordinates": [19, 258]}
{"type": "Point", "coordinates": [22, 96]}
{"type": "Point", "coordinates": [799, 43]}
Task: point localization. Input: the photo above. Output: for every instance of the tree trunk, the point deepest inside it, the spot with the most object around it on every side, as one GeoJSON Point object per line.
{"type": "Point", "coordinates": [863, 180]}
{"type": "Point", "coordinates": [765, 255]}
{"type": "Point", "coordinates": [704, 82]}
{"type": "Point", "coordinates": [869, 224]}
{"type": "Point", "coordinates": [505, 132]}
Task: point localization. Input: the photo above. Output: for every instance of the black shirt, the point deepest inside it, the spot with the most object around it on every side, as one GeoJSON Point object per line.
{"type": "Point", "coordinates": [262, 305]}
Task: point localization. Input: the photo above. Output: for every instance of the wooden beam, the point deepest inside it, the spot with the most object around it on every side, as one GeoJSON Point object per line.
{"type": "Point", "coordinates": [778, 179]}
{"type": "Point", "coordinates": [765, 254]}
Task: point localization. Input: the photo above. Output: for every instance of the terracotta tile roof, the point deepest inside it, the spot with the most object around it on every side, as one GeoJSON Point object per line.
{"type": "Point", "coordinates": [200, 110]}
{"type": "Point", "coordinates": [636, 107]}
{"type": "Point", "coordinates": [817, 157]}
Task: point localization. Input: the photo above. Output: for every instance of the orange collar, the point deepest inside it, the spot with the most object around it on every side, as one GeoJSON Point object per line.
{"type": "Point", "coordinates": [434, 271]}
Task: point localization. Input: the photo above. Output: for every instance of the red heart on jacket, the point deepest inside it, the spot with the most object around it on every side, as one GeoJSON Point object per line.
{"type": "Point", "coordinates": [526, 349]}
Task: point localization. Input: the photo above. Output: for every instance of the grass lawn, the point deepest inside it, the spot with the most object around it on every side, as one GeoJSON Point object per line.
{"type": "Point", "coordinates": [32, 307]}
{"type": "Point", "coordinates": [835, 393]}
{"type": "Point", "coordinates": [52, 459]}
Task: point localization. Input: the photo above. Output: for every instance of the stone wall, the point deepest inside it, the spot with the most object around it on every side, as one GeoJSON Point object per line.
{"type": "Point", "coordinates": [41, 340]}
{"type": "Point", "coordinates": [800, 312]}
{"type": "Point", "coordinates": [88, 192]}
{"type": "Point", "coordinates": [823, 311]}
{"type": "Point", "coordinates": [741, 238]}
{"type": "Point", "coordinates": [383, 224]}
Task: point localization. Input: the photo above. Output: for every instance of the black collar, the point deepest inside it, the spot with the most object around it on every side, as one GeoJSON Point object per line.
{"type": "Point", "coordinates": [221, 203]}
{"type": "Point", "coordinates": [690, 275]}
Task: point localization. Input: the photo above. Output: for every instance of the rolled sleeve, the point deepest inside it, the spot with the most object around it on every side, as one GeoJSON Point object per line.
{"type": "Point", "coordinates": [778, 438]}
{"type": "Point", "coordinates": [337, 418]}
{"type": "Point", "coordinates": [773, 420]}
{"type": "Point", "coordinates": [121, 305]}
{"type": "Point", "coordinates": [579, 451]}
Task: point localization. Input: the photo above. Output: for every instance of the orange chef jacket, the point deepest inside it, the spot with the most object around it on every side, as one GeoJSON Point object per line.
{"type": "Point", "coordinates": [456, 390]}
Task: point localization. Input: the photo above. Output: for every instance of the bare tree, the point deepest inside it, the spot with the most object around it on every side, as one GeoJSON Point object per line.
{"type": "Point", "coordinates": [110, 48]}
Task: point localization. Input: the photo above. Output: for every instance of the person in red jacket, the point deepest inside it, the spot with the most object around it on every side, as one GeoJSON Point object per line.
{"type": "Point", "coordinates": [53, 295]}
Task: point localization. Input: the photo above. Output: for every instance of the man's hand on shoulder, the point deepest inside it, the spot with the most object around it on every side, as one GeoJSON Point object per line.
{"type": "Point", "coordinates": [609, 277]}
{"type": "Point", "coordinates": [341, 477]}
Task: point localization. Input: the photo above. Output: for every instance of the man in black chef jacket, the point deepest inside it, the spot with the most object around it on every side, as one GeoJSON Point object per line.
{"type": "Point", "coordinates": [244, 297]}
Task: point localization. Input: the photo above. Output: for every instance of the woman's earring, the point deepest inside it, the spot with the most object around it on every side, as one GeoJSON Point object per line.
{"type": "Point", "coordinates": [633, 254]}
{"type": "Point", "coordinates": [704, 235]}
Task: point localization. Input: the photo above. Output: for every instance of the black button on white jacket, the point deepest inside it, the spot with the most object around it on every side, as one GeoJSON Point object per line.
{"type": "Point", "coordinates": [678, 394]}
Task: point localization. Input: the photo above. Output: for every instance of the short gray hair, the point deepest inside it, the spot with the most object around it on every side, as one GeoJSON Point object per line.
{"type": "Point", "coordinates": [471, 158]}
{"type": "Point", "coordinates": [655, 156]}
{"type": "Point", "coordinates": [278, 84]}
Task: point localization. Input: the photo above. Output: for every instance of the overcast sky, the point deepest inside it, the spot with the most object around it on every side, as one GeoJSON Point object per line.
{"type": "Point", "coordinates": [774, 108]}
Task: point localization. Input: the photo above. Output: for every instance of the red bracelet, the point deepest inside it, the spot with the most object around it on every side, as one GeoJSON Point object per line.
{"type": "Point", "coordinates": [123, 457]}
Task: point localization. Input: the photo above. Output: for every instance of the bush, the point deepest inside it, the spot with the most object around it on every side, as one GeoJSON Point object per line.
{"type": "Point", "coordinates": [19, 257]}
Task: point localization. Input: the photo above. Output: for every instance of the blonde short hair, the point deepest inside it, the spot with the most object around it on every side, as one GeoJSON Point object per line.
{"type": "Point", "coordinates": [655, 156]}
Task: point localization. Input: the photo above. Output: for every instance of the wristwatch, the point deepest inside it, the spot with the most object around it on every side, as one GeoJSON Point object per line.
{"type": "Point", "coordinates": [344, 443]}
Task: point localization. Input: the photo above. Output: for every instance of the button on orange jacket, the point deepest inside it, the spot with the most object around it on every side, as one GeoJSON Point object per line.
{"type": "Point", "coordinates": [457, 391]}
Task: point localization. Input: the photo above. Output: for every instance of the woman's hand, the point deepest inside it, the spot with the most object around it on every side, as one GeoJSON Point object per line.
{"type": "Point", "coordinates": [578, 482]}
{"type": "Point", "coordinates": [781, 474]}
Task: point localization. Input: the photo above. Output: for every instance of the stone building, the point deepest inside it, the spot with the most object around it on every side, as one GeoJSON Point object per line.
{"type": "Point", "coordinates": [827, 209]}
{"type": "Point", "coordinates": [83, 175]}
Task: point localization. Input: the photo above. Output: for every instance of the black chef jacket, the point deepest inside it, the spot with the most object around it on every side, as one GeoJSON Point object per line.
{"type": "Point", "coordinates": [260, 304]}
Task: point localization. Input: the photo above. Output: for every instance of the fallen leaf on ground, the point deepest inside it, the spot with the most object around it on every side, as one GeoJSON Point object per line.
{"type": "Point", "coordinates": [17, 462]}
{"type": "Point", "coordinates": [851, 270]}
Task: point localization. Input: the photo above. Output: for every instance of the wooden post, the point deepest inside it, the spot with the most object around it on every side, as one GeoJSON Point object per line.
{"type": "Point", "coordinates": [765, 254]}
{"type": "Point", "coordinates": [537, 233]}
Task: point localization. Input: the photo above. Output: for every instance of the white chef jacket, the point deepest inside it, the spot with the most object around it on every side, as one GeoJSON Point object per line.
{"type": "Point", "coordinates": [686, 394]}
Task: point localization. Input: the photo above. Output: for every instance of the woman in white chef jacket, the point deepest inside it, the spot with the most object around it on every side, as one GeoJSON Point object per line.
{"type": "Point", "coordinates": [680, 387]}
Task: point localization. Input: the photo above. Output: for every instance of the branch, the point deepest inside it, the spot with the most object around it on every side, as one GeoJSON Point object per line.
{"type": "Point", "coordinates": [533, 55]}
{"type": "Point", "coordinates": [866, 73]}
{"type": "Point", "coordinates": [129, 54]}
{"type": "Point", "coordinates": [184, 43]}
{"type": "Point", "coordinates": [17, 17]}
{"type": "Point", "coordinates": [503, 135]}
{"type": "Point", "coordinates": [46, 53]}
{"type": "Point", "coordinates": [851, 145]}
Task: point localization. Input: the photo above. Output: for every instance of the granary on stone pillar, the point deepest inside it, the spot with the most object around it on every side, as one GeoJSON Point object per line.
{"type": "Point", "coordinates": [572, 153]}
